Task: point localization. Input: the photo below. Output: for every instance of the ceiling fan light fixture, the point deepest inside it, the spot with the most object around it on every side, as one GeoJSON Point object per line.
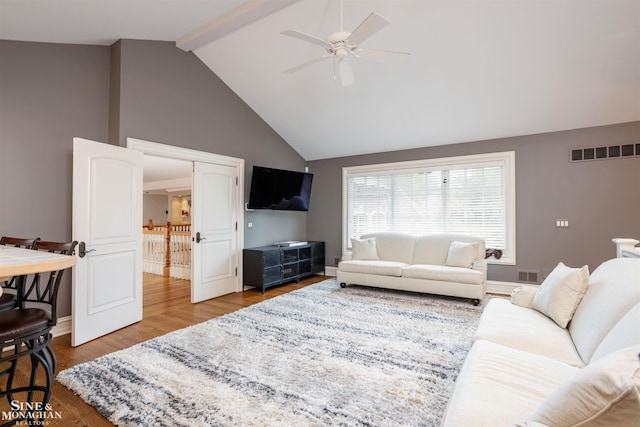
{"type": "Point", "coordinates": [342, 44]}
{"type": "Point", "coordinates": [342, 52]}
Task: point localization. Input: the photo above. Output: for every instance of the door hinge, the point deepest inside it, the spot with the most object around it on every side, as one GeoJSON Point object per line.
{"type": "Point", "coordinates": [237, 180]}
{"type": "Point", "coordinates": [236, 225]}
{"type": "Point", "coordinates": [236, 271]}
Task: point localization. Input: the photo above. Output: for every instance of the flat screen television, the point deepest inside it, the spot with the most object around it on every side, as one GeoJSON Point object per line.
{"type": "Point", "coordinates": [279, 189]}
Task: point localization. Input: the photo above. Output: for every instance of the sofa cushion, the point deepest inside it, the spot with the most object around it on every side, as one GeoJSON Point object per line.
{"type": "Point", "coordinates": [624, 334]}
{"type": "Point", "coordinates": [529, 330]}
{"type": "Point", "coordinates": [364, 249]}
{"type": "Point", "coordinates": [382, 268]}
{"type": "Point", "coordinates": [443, 273]}
{"type": "Point", "coordinates": [433, 248]}
{"type": "Point", "coordinates": [498, 385]}
{"type": "Point", "coordinates": [561, 292]}
{"type": "Point", "coordinates": [612, 291]}
{"type": "Point", "coordinates": [393, 246]}
{"type": "Point", "coordinates": [605, 393]}
{"type": "Point", "coordinates": [461, 254]}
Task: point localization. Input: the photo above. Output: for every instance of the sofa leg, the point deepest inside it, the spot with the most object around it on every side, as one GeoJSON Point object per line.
{"type": "Point", "coordinates": [475, 301]}
{"type": "Point", "coordinates": [343, 285]}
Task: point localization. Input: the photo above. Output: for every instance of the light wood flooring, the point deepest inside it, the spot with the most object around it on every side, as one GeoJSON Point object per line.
{"type": "Point", "coordinates": [167, 307]}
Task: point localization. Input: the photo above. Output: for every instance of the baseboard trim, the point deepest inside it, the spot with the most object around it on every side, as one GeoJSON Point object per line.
{"type": "Point", "coordinates": [330, 271]}
{"type": "Point", "coordinates": [63, 327]}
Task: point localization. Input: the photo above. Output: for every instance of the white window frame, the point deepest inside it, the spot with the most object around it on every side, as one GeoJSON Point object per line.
{"type": "Point", "coordinates": [505, 158]}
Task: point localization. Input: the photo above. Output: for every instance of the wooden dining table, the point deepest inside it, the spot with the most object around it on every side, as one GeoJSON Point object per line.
{"type": "Point", "coordinates": [19, 261]}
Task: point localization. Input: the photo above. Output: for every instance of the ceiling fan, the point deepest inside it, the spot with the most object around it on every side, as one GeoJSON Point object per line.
{"type": "Point", "coordinates": [343, 45]}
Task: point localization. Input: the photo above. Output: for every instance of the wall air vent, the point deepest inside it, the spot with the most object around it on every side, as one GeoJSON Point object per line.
{"type": "Point", "coordinates": [604, 152]}
{"type": "Point", "coordinates": [530, 277]}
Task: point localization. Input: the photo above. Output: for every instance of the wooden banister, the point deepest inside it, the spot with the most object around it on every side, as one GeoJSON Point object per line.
{"type": "Point", "coordinates": [174, 257]}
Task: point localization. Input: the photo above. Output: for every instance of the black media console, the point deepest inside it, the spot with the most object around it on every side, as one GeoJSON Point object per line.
{"type": "Point", "coordinates": [268, 266]}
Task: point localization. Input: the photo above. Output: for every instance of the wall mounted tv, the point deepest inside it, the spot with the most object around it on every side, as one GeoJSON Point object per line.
{"type": "Point", "coordinates": [279, 189]}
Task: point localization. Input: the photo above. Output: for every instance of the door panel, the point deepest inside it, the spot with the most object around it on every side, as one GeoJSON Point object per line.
{"type": "Point", "coordinates": [218, 187]}
{"type": "Point", "coordinates": [112, 180]}
{"type": "Point", "coordinates": [214, 213]}
{"type": "Point", "coordinates": [107, 219]}
{"type": "Point", "coordinates": [110, 274]}
{"type": "Point", "coordinates": [220, 256]}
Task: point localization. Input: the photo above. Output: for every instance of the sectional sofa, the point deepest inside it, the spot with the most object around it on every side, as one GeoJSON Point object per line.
{"type": "Point", "coordinates": [566, 354]}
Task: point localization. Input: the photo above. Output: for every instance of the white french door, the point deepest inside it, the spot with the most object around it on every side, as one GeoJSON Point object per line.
{"type": "Point", "coordinates": [214, 225]}
{"type": "Point", "coordinates": [217, 213]}
{"type": "Point", "coordinates": [107, 219]}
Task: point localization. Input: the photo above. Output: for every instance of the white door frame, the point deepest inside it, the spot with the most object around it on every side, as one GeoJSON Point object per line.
{"type": "Point", "coordinates": [173, 152]}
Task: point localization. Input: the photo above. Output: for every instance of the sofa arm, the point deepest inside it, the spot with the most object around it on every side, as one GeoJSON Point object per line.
{"type": "Point", "coordinates": [524, 295]}
{"type": "Point", "coordinates": [479, 265]}
{"type": "Point", "coordinates": [348, 256]}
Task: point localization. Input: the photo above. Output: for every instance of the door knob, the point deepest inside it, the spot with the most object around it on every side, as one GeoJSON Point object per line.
{"type": "Point", "coordinates": [198, 238]}
{"type": "Point", "coordinates": [82, 250]}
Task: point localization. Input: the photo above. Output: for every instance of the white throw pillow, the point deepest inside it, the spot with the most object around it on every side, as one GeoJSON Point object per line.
{"type": "Point", "coordinates": [365, 249]}
{"type": "Point", "coordinates": [461, 254]}
{"type": "Point", "coordinates": [561, 292]}
{"type": "Point", "coordinates": [523, 296]}
{"type": "Point", "coordinates": [605, 393]}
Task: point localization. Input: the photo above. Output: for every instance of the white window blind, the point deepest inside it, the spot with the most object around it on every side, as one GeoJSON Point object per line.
{"type": "Point", "coordinates": [467, 195]}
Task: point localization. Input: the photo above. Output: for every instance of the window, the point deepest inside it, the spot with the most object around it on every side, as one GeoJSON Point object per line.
{"type": "Point", "coordinates": [467, 194]}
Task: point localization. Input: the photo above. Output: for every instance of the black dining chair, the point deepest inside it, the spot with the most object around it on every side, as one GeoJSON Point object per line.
{"type": "Point", "coordinates": [8, 299]}
{"type": "Point", "coordinates": [26, 331]}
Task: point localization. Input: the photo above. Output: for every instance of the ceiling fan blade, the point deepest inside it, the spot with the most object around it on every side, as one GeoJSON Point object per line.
{"type": "Point", "coordinates": [371, 25]}
{"type": "Point", "coordinates": [306, 64]}
{"type": "Point", "coordinates": [379, 55]}
{"type": "Point", "coordinates": [346, 72]}
{"type": "Point", "coordinates": [306, 37]}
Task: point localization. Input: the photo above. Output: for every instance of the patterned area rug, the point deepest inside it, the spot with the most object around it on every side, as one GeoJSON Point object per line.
{"type": "Point", "coordinates": [321, 355]}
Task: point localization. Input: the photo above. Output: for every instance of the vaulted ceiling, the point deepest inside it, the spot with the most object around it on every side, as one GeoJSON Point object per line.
{"type": "Point", "coordinates": [478, 69]}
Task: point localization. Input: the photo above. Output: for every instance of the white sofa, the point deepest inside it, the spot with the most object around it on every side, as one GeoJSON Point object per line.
{"type": "Point", "coordinates": [525, 369]}
{"type": "Point", "coordinates": [440, 263]}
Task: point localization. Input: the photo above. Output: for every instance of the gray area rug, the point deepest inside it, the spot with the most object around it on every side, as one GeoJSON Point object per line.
{"type": "Point", "coordinates": [321, 355]}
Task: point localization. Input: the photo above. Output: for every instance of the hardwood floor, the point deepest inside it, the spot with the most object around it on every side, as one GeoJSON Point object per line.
{"type": "Point", "coordinates": [167, 307]}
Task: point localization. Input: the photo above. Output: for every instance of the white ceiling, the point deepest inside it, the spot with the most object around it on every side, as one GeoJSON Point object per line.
{"type": "Point", "coordinates": [479, 69]}
{"type": "Point", "coordinates": [163, 175]}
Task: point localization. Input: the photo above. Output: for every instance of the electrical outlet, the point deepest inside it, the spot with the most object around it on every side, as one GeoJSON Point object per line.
{"type": "Point", "coordinates": [562, 223]}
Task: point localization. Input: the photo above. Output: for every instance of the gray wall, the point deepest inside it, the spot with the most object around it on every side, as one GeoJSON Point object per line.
{"type": "Point", "coordinates": [154, 207]}
{"type": "Point", "coordinates": [601, 199]}
{"type": "Point", "coordinates": [51, 93]}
